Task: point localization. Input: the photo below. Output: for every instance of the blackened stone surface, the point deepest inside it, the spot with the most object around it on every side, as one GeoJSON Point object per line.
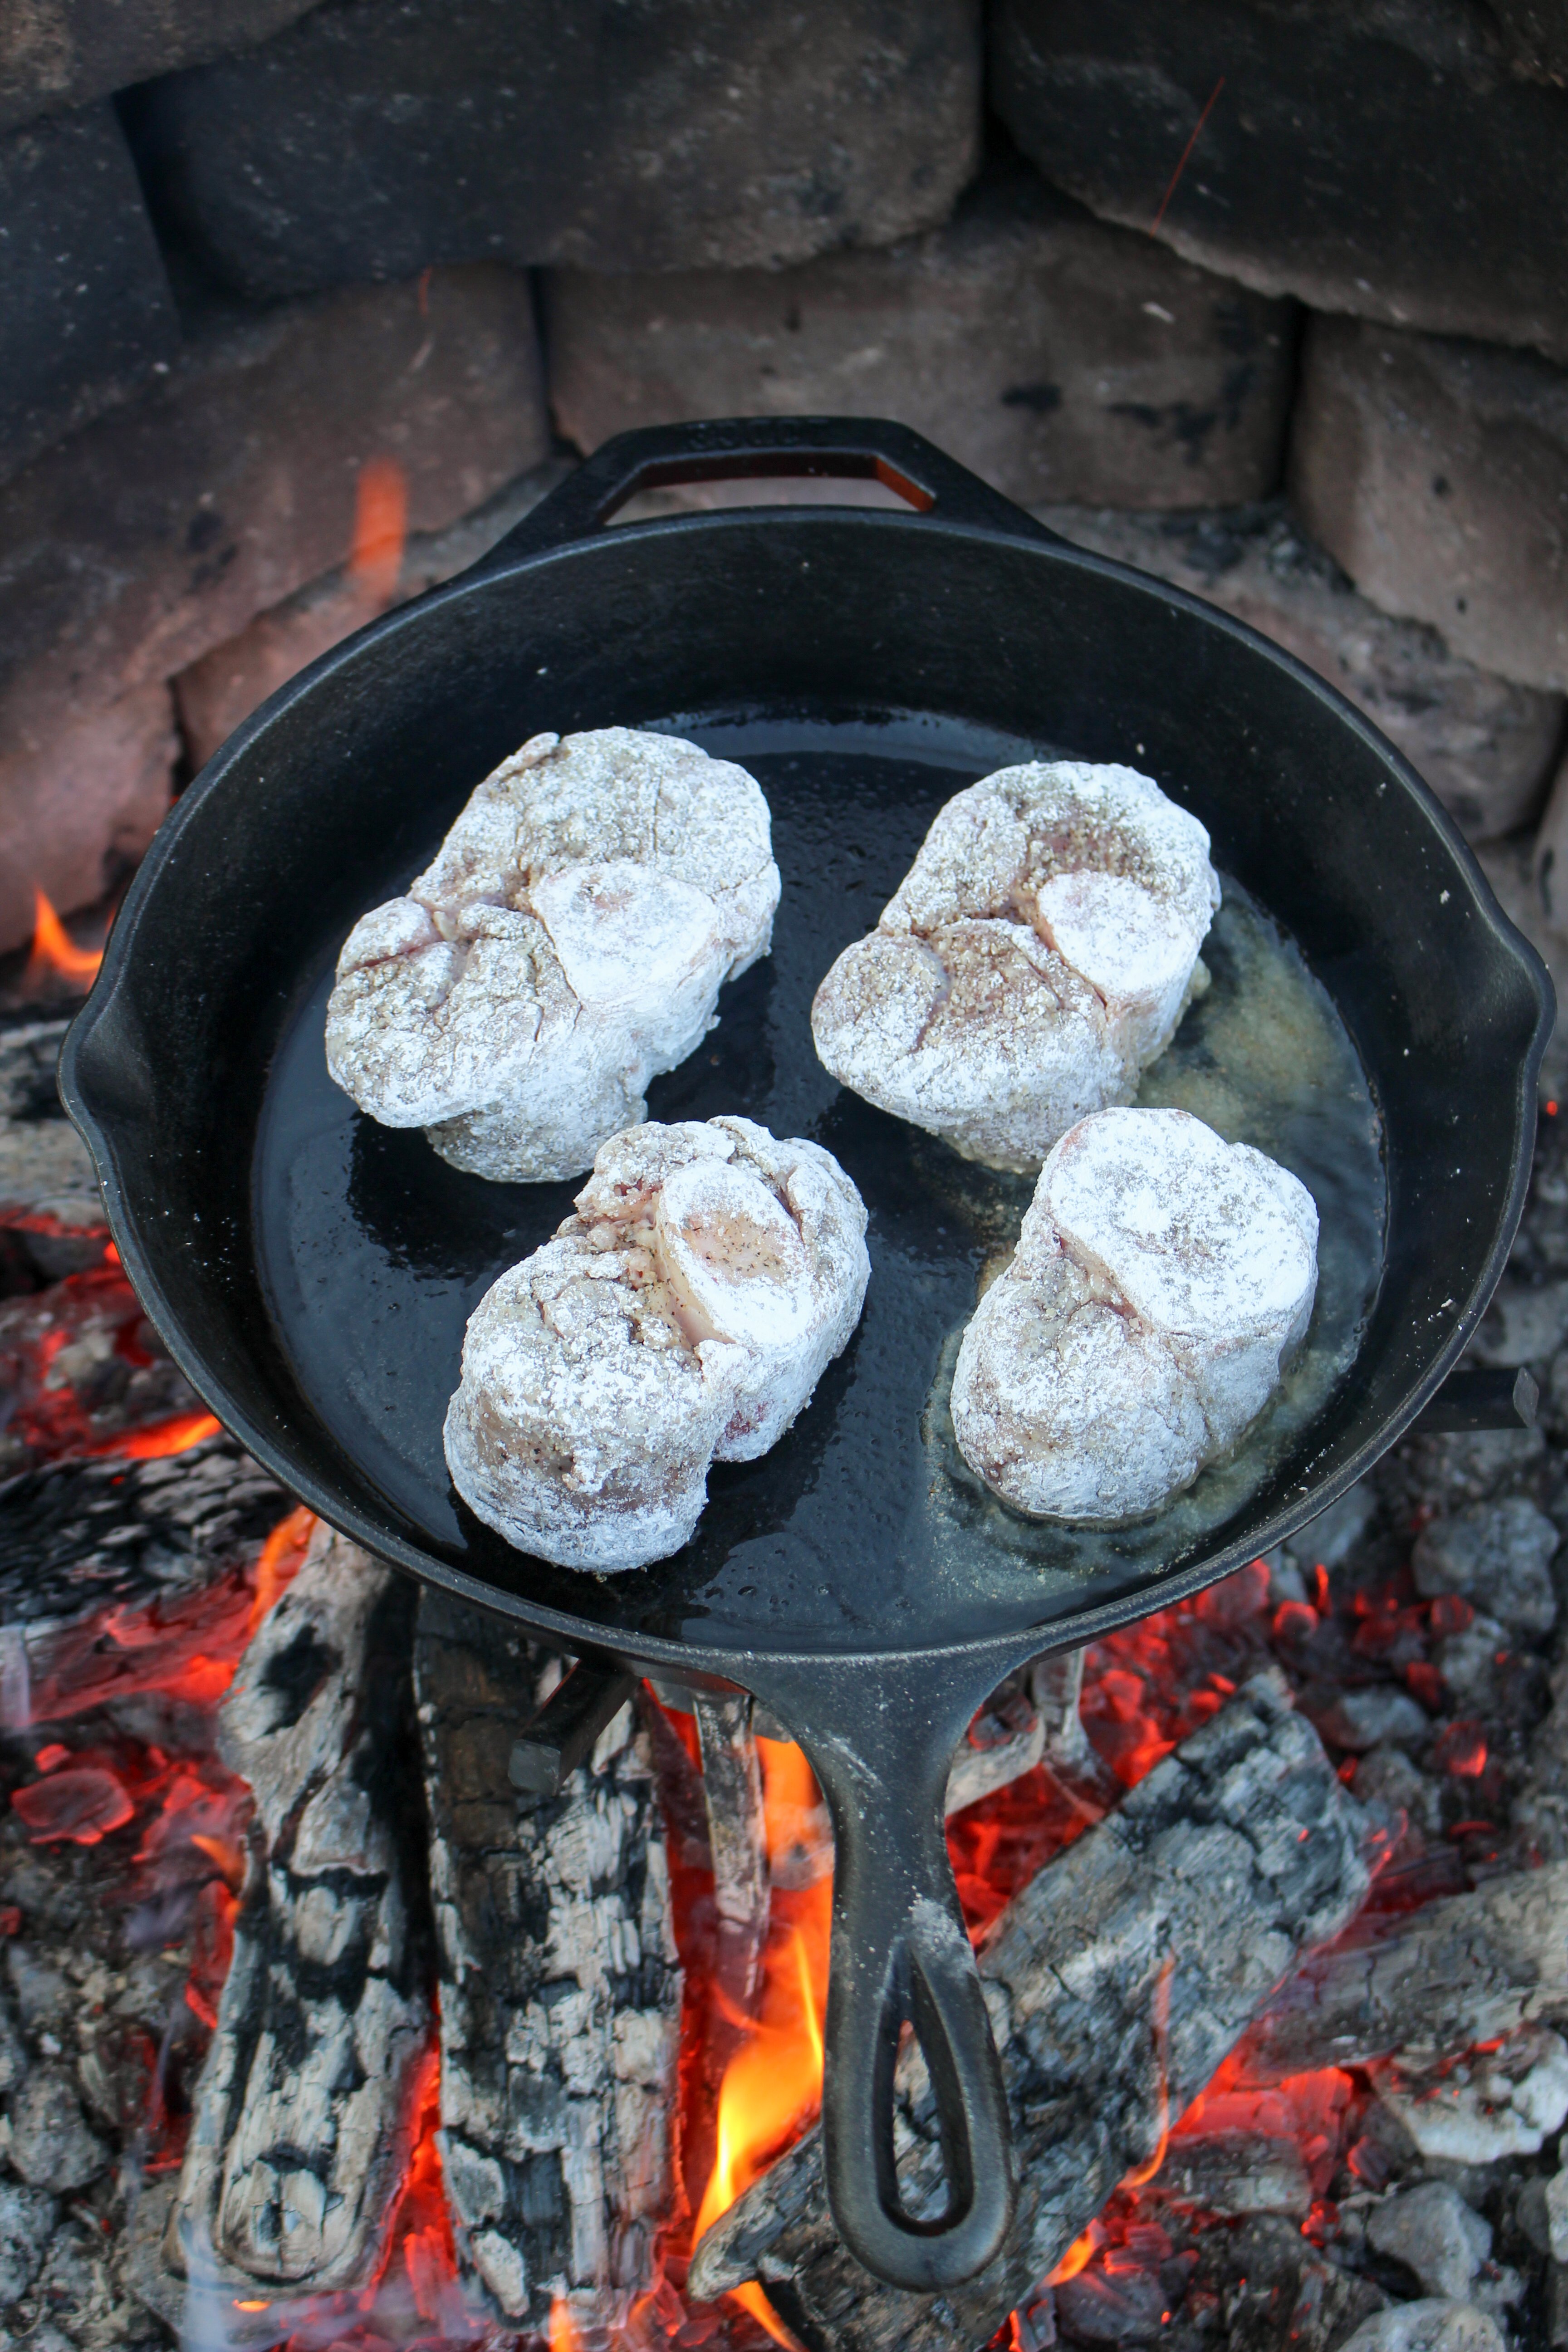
{"type": "Point", "coordinates": [84, 306]}
{"type": "Point", "coordinates": [226, 686]}
{"type": "Point", "coordinates": [372, 138]}
{"type": "Point", "coordinates": [82, 795]}
{"type": "Point", "coordinates": [1535, 39]}
{"type": "Point", "coordinates": [1436, 471]}
{"type": "Point", "coordinates": [61, 53]}
{"type": "Point", "coordinates": [1058, 357]}
{"type": "Point", "coordinates": [1486, 745]}
{"type": "Point", "coordinates": [1386, 161]}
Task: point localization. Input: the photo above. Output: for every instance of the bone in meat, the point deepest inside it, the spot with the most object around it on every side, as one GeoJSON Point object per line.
{"type": "Point", "coordinates": [1034, 959]}
{"type": "Point", "coordinates": [684, 1315]}
{"type": "Point", "coordinates": [568, 941]}
{"type": "Point", "coordinates": [1160, 1278]}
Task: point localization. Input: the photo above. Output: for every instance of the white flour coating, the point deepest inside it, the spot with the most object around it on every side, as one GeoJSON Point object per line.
{"type": "Point", "coordinates": [685, 1314]}
{"type": "Point", "coordinates": [1034, 959]}
{"type": "Point", "coordinates": [1161, 1277]}
{"type": "Point", "coordinates": [569, 939]}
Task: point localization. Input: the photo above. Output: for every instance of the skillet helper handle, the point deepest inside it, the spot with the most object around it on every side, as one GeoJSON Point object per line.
{"type": "Point", "coordinates": [901, 1951]}
{"type": "Point", "coordinates": [1481, 1398]}
{"type": "Point", "coordinates": [560, 1735]}
{"type": "Point", "coordinates": [748, 448]}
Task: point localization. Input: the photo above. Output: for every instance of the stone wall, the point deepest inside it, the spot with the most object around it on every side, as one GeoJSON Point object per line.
{"type": "Point", "coordinates": [257, 259]}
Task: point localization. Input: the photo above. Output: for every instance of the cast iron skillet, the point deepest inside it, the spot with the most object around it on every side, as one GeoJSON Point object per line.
{"type": "Point", "coordinates": [311, 1272]}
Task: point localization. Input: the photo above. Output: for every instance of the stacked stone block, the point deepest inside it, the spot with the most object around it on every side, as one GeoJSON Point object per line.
{"type": "Point", "coordinates": [1311, 362]}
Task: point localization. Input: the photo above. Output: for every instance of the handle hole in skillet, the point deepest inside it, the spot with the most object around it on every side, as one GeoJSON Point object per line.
{"type": "Point", "coordinates": [786, 478]}
{"type": "Point", "coordinates": [912, 2031]}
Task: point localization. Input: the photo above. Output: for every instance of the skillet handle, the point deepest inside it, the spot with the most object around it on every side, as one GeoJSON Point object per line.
{"type": "Point", "coordinates": [901, 1952]}
{"type": "Point", "coordinates": [843, 449]}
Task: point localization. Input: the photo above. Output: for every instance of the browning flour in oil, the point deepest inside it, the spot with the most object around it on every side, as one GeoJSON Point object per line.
{"type": "Point", "coordinates": [1263, 1058]}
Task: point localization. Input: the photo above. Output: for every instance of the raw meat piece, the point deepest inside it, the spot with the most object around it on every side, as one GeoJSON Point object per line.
{"type": "Point", "coordinates": [684, 1315]}
{"type": "Point", "coordinates": [1034, 960]}
{"type": "Point", "coordinates": [1162, 1278]}
{"type": "Point", "coordinates": [569, 939]}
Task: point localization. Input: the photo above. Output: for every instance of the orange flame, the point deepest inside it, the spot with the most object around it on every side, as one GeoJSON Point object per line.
{"type": "Point", "coordinates": [563, 2335]}
{"type": "Point", "coordinates": [1146, 2171]}
{"type": "Point", "coordinates": [774, 2083]}
{"type": "Point", "coordinates": [422, 2226]}
{"type": "Point", "coordinates": [227, 1853]}
{"type": "Point", "coordinates": [381, 529]}
{"type": "Point", "coordinates": [772, 2086]}
{"type": "Point", "coordinates": [1078, 2255]}
{"type": "Point", "coordinates": [176, 1435]}
{"type": "Point", "coordinates": [282, 1555]}
{"type": "Point", "coordinates": [54, 954]}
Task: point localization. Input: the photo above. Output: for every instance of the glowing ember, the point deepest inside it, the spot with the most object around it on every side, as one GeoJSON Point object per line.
{"type": "Point", "coordinates": [421, 2233]}
{"type": "Point", "coordinates": [1147, 1687]}
{"type": "Point", "coordinates": [176, 1435]}
{"type": "Point", "coordinates": [186, 1646]}
{"type": "Point", "coordinates": [998, 1846]}
{"type": "Point", "coordinates": [54, 954]}
{"type": "Point", "coordinates": [1461, 1749]}
{"type": "Point", "coordinates": [82, 1806]}
{"type": "Point", "coordinates": [83, 1373]}
{"type": "Point", "coordinates": [1078, 2255]}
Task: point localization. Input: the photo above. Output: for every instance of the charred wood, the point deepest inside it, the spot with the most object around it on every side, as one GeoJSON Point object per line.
{"type": "Point", "coordinates": [1055, 1687]}
{"type": "Point", "coordinates": [737, 1841]}
{"type": "Point", "coordinates": [86, 1536]}
{"type": "Point", "coordinates": [1006, 1740]}
{"type": "Point", "coordinates": [560, 1990]}
{"type": "Point", "coordinates": [42, 1158]}
{"type": "Point", "coordinates": [1454, 1973]}
{"type": "Point", "coordinates": [303, 2113]}
{"type": "Point", "coordinates": [1117, 1981]}
{"type": "Point", "coordinates": [1034, 1719]}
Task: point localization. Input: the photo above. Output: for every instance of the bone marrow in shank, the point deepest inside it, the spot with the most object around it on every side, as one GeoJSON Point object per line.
{"type": "Point", "coordinates": [1031, 964]}
{"type": "Point", "coordinates": [683, 1315]}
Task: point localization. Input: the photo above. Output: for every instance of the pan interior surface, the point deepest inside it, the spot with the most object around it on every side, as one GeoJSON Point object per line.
{"type": "Point", "coordinates": [863, 1528]}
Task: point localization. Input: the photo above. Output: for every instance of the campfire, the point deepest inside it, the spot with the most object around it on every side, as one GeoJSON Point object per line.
{"type": "Point", "coordinates": [320, 2029]}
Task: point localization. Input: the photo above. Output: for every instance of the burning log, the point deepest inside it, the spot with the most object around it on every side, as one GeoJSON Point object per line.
{"type": "Point", "coordinates": [42, 1158]}
{"type": "Point", "coordinates": [559, 1987]}
{"type": "Point", "coordinates": [1116, 1982]}
{"type": "Point", "coordinates": [85, 1537]}
{"type": "Point", "coordinates": [1055, 1687]}
{"type": "Point", "coordinates": [1457, 1972]}
{"type": "Point", "coordinates": [737, 1843]}
{"type": "Point", "coordinates": [303, 2113]}
{"type": "Point", "coordinates": [1034, 1719]}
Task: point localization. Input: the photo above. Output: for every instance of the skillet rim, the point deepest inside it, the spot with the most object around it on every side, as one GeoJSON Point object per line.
{"type": "Point", "coordinates": [680, 1655]}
